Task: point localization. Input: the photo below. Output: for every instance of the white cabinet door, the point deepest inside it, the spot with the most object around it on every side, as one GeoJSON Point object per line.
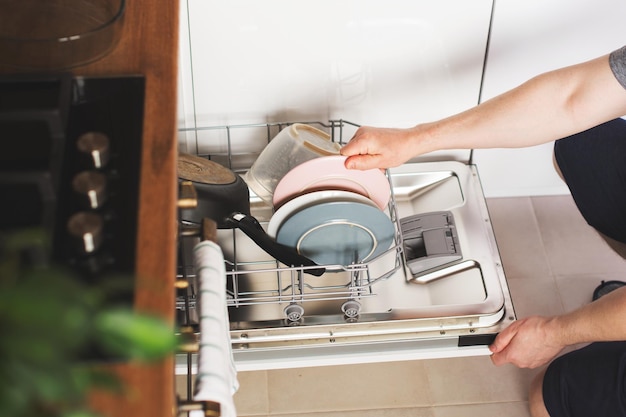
{"type": "Point", "coordinates": [391, 63]}
{"type": "Point", "coordinates": [530, 37]}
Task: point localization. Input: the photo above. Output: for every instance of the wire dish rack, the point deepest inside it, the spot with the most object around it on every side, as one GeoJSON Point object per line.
{"type": "Point", "coordinates": [254, 278]}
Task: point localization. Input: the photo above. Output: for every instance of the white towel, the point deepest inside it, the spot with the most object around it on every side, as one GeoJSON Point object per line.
{"type": "Point", "coordinates": [217, 376]}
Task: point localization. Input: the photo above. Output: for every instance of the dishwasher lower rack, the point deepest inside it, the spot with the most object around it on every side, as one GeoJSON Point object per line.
{"type": "Point", "coordinates": [253, 277]}
{"type": "Point", "coordinates": [263, 282]}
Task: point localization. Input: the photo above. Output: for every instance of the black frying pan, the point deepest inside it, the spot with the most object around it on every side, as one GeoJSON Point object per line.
{"type": "Point", "coordinates": [223, 196]}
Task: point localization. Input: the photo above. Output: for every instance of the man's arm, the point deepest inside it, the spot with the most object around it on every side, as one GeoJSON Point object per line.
{"type": "Point", "coordinates": [548, 107]}
{"type": "Point", "coordinates": [533, 342]}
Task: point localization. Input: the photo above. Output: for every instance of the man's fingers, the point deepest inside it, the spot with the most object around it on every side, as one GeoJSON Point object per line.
{"type": "Point", "coordinates": [363, 162]}
{"type": "Point", "coordinates": [504, 338]}
{"type": "Point", "coordinates": [502, 341]}
{"type": "Point", "coordinates": [498, 359]}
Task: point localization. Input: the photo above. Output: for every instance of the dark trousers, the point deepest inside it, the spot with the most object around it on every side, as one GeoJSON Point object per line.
{"type": "Point", "coordinates": [593, 164]}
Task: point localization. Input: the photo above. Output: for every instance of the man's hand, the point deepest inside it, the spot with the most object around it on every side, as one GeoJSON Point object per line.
{"type": "Point", "coordinates": [527, 343]}
{"type": "Point", "coordinates": [373, 147]}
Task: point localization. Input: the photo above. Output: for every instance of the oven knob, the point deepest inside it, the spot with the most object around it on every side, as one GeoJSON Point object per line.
{"type": "Point", "coordinates": [86, 231]}
{"type": "Point", "coordinates": [95, 147]}
{"type": "Point", "coordinates": [90, 186]}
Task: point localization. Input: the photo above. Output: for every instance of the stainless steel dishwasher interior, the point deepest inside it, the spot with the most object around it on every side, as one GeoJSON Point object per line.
{"type": "Point", "coordinates": [275, 308]}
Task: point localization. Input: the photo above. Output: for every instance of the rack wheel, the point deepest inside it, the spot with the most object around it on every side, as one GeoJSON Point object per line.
{"type": "Point", "coordinates": [294, 312]}
{"type": "Point", "coordinates": [351, 308]}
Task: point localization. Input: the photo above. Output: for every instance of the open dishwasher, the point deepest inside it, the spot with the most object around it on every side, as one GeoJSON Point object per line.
{"type": "Point", "coordinates": [439, 290]}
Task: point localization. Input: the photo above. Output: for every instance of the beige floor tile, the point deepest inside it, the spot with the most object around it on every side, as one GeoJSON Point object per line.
{"type": "Point", "coordinates": [350, 387]}
{"type": "Point", "coordinates": [535, 296]}
{"type": "Point", "coordinates": [181, 383]}
{"type": "Point", "coordinates": [476, 380]}
{"type": "Point", "coordinates": [252, 397]}
{"type": "Point", "coordinates": [389, 412]}
{"type": "Point", "coordinates": [577, 290]}
{"type": "Point", "coordinates": [506, 409]}
{"type": "Point", "coordinates": [572, 246]}
{"type": "Point", "coordinates": [518, 237]}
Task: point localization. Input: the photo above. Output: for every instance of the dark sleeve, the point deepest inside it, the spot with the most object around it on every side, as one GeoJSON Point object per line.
{"type": "Point", "coordinates": [617, 61]}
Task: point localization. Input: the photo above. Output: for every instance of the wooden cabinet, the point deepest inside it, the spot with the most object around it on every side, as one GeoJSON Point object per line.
{"type": "Point", "coordinates": [149, 47]}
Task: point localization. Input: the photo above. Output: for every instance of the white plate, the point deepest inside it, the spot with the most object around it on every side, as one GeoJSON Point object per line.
{"type": "Point", "coordinates": [338, 233]}
{"type": "Point", "coordinates": [330, 173]}
{"type": "Point", "coordinates": [317, 197]}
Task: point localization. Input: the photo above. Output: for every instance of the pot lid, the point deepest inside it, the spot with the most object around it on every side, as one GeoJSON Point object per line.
{"type": "Point", "coordinates": [201, 170]}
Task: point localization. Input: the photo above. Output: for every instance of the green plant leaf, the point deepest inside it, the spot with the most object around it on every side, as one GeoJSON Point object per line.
{"type": "Point", "coordinates": [133, 335]}
{"type": "Point", "coordinates": [49, 320]}
{"type": "Point", "coordinates": [80, 413]}
{"type": "Point", "coordinates": [88, 376]}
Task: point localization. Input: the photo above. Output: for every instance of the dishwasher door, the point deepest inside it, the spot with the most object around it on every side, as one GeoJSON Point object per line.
{"type": "Point", "coordinates": [408, 303]}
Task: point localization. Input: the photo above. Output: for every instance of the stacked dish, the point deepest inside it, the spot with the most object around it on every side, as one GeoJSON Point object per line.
{"type": "Point", "coordinates": [333, 215]}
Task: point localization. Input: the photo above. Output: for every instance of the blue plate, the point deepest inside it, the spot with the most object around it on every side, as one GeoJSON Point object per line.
{"type": "Point", "coordinates": [338, 233]}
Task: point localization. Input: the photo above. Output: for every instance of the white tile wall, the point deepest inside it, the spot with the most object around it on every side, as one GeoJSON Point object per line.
{"type": "Point", "coordinates": [371, 62]}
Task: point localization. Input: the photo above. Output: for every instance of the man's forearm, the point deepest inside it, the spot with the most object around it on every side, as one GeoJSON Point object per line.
{"type": "Point", "coordinates": [548, 107]}
{"type": "Point", "coordinates": [600, 321]}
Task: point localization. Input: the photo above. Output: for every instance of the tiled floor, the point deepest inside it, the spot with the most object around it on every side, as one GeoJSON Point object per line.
{"type": "Point", "coordinates": [553, 261]}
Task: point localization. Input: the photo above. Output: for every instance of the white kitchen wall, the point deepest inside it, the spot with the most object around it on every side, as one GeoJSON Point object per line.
{"type": "Point", "coordinates": [392, 63]}
{"type": "Point", "coordinates": [529, 37]}
{"type": "Point", "coordinates": [371, 62]}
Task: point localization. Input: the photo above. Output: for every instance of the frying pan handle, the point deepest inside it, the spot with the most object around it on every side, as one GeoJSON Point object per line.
{"type": "Point", "coordinates": [285, 254]}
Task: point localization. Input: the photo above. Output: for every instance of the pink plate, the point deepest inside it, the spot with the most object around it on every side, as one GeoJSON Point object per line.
{"type": "Point", "coordinates": [329, 173]}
